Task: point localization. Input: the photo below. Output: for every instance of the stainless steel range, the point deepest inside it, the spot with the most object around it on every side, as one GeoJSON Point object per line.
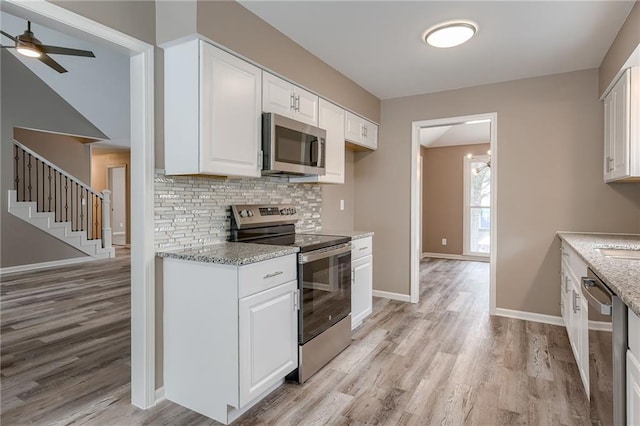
{"type": "Point", "coordinates": [324, 280]}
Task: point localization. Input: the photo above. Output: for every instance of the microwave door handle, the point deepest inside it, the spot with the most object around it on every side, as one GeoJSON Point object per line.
{"type": "Point", "coordinates": [321, 152]}
{"type": "Point", "coordinates": [314, 151]}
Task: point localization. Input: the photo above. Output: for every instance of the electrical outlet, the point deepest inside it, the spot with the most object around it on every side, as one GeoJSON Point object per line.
{"type": "Point", "coordinates": [444, 241]}
{"type": "Point", "coordinates": [341, 204]}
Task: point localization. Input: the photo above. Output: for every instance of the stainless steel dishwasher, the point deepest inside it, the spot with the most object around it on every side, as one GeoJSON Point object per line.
{"type": "Point", "coordinates": [607, 352]}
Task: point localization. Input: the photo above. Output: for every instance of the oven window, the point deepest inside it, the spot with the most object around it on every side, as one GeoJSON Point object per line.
{"type": "Point", "coordinates": [326, 294]}
{"type": "Point", "coordinates": [295, 147]}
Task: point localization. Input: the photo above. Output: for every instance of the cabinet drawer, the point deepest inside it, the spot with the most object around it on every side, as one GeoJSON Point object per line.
{"type": "Point", "coordinates": [267, 274]}
{"type": "Point", "coordinates": [361, 247]}
{"type": "Point", "coordinates": [573, 261]}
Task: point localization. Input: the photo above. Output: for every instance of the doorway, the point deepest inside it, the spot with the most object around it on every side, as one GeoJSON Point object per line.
{"type": "Point", "coordinates": [416, 197]}
{"type": "Point", "coordinates": [117, 184]}
{"type": "Point", "coordinates": [142, 148]}
{"type": "Point", "coordinates": [477, 205]}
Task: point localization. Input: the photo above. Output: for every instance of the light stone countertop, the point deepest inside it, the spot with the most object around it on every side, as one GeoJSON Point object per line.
{"type": "Point", "coordinates": [229, 253]}
{"type": "Point", "coordinates": [622, 276]}
{"type": "Point", "coordinates": [355, 235]}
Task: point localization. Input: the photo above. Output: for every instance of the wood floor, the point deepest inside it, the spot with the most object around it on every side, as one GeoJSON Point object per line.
{"type": "Point", "coordinates": [65, 359]}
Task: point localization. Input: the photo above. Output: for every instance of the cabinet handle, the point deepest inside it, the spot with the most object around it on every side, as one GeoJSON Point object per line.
{"type": "Point", "coordinates": [363, 248]}
{"type": "Point", "coordinates": [576, 306]}
{"type": "Point", "coordinates": [292, 102]}
{"type": "Point", "coordinates": [298, 103]}
{"type": "Point", "coordinates": [273, 274]}
{"type": "Point", "coordinates": [296, 295]}
{"type": "Point", "coordinates": [610, 164]}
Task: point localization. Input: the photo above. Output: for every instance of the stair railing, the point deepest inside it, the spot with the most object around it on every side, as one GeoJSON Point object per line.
{"type": "Point", "coordinates": [55, 191]}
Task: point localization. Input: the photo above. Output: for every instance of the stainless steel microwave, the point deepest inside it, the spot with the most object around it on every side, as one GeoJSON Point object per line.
{"type": "Point", "coordinates": [290, 147]}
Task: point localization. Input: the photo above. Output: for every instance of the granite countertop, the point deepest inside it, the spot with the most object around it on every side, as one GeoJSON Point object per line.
{"type": "Point", "coordinates": [230, 253]}
{"type": "Point", "coordinates": [620, 275]}
{"type": "Point", "coordinates": [355, 235]}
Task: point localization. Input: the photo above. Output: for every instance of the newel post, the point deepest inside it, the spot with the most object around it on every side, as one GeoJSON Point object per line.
{"type": "Point", "coordinates": [106, 218]}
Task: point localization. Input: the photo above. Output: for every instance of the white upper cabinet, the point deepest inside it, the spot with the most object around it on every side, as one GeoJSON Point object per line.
{"type": "Point", "coordinates": [622, 128]}
{"type": "Point", "coordinates": [212, 112]}
{"type": "Point", "coordinates": [360, 132]}
{"type": "Point", "coordinates": [284, 98]}
{"type": "Point", "coordinates": [331, 119]}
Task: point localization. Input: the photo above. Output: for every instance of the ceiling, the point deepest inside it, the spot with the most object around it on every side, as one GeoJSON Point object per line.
{"type": "Point", "coordinates": [378, 44]}
{"type": "Point", "coordinates": [457, 134]}
{"type": "Point", "coordinates": [98, 88]}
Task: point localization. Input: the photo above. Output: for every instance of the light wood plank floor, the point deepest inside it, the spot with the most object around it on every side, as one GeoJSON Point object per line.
{"type": "Point", "coordinates": [65, 359]}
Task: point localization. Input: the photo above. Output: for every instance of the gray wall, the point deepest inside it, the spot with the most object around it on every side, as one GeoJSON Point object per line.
{"type": "Point", "coordinates": [332, 217]}
{"type": "Point", "coordinates": [549, 165]}
{"type": "Point", "coordinates": [29, 103]}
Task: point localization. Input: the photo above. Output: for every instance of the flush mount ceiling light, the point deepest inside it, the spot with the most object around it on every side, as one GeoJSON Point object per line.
{"type": "Point", "coordinates": [450, 34]}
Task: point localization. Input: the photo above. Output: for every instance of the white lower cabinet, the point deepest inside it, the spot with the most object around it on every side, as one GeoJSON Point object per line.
{"type": "Point", "coordinates": [633, 370]}
{"type": "Point", "coordinates": [230, 333]}
{"type": "Point", "coordinates": [575, 310]}
{"type": "Point", "coordinates": [361, 280]}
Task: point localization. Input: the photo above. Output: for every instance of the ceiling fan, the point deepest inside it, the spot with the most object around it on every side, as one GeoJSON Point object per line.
{"type": "Point", "coordinates": [27, 45]}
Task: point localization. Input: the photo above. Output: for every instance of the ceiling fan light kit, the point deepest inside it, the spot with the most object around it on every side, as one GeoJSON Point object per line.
{"type": "Point", "coordinates": [450, 33]}
{"type": "Point", "coordinates": [26, 44]}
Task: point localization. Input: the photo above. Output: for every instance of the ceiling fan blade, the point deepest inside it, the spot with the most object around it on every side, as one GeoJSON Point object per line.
{"type": "Point", "coordinates": [57, 50]}
{"type": "Point", "coordinates": [8, 35]}
{"type": "Point", "coordinates": [44, 58]}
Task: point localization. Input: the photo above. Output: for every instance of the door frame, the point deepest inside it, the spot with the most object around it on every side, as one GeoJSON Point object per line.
{"type": "Point", "coordinates": [143, 392]}
{"type": "Point", "coordinates": [109, 168]}
{"type": "Point", "coordinates": [416, 215]}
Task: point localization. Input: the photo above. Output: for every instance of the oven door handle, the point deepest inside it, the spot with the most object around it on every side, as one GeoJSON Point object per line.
{"type": "Point", "coordinates": [604, 308]}
{"type": "Point", "coordinates": [324, 253]}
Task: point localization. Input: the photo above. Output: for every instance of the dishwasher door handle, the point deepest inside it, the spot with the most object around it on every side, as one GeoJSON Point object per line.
{"type": "Point", "coordinates": [591, 283]}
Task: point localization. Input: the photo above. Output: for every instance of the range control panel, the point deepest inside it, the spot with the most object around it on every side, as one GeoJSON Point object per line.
{"type": "Point", "coordinates": [252, 215]}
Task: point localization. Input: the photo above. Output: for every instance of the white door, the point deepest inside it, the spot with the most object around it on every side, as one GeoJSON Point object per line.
{"type": "Point", "coordinates": [633, 389]}
{"type": "Point", "coordinates": [477, 205]}
{"type": "Point", "coordinates": [331, 119]}
{"type": "Point", "coordinates": [370, 135]}
{"type": "Point", "coordinates": [117, 184]}
{"type": "Point", "coordinates": [621, 111]}
{"type": "Point", "coordinates": [305, 106]}
{"type": "Point", "coordinates": [231, 120]}
{"type": "Point", "coordinates": [609, 106]}
{"type": "Point", "coordinates": [361, 289]}
{"type": "Point", "coordinates": [277, 95]}
{"type": "Point", "coordinates": [268, 333]}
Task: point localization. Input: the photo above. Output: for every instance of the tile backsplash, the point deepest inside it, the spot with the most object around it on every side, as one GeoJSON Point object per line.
{"type": "Point", "coordinates": [192, 211]}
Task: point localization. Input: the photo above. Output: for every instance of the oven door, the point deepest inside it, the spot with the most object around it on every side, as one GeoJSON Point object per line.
{"type": "Point", "coordinates": [324, 277]}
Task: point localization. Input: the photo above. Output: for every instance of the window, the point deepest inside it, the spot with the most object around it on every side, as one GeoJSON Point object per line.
{"type": "Point", "coordinates": [477, 205]}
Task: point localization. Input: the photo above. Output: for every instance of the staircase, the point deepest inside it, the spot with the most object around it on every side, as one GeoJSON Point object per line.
{"type": "Point", "coordinates": [59, 204]}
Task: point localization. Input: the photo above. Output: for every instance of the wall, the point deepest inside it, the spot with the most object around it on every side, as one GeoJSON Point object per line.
{"type": "Point", "coordinates": [29, 103]}
{"type": "Point", "coordinates": [194, 211]}
{"type": "Point", "coordinates": [101, 159]}
{"type": "Point", "coordinates": [66, 152]}
{"type": "Point", "coordinates": [443, 198]}
{"type": "Point", "coordinates": [332, 217]}
{"type": "Point", "coordinates": [549, 171]}
{"type": "Point", "coordinates": [627, 40]}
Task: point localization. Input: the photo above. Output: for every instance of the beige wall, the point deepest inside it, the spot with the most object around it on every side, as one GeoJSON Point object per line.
{"type": "Point", "coordinates": [442, 196]}
{"type": "Point", "coordinates": [332, 217]}
{"type": "Point", "coordinates": [625, 43]}
{"type": "Point", "coordinates": [101, 160]}
{"type": "Point", "coordinates": [549, 171]}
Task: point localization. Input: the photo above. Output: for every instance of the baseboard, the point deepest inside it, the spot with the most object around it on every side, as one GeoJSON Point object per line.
{"type": "Point", "coordinates": [600, 326]}
{"type": "Point", "coordinates": [43, 265]}
{"type": "Point", "coordinates": [160, 396]}
{"type": "Point", "coordinates": [455, 257]}
{"type": "Point", "coordinates": [529, 316]}
{"type": "Point", "coordinates": [392, 296]}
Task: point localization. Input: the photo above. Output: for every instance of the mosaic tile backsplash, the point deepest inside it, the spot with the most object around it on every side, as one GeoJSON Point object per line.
{"type": "Point", "coordinates": [192, 211]}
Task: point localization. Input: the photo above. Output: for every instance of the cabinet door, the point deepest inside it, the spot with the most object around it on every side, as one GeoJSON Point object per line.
{"type": "Point", "coordinates": [370, 135]}
{"type": "Point", "coordinates": [277, 95]}
{"type": "Point", "coordinates": [331, 119]}
{"type": "Point", "coordinates": [633, 389]}
{"type": "Point", "coordinates": [230, 118]}
{"type": "Point", "coordinates": [268, 333]}
{"type": "Point", "coordinates": [609, 105]}
{"type": "Point", "coordinates": [306, 106]}
{"type": "Point", "coordinates": [353, 127]}
{"type": "Point", "coordinates": [620, 145]}
{"type": "Point", "coordinates": [361, 289]}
